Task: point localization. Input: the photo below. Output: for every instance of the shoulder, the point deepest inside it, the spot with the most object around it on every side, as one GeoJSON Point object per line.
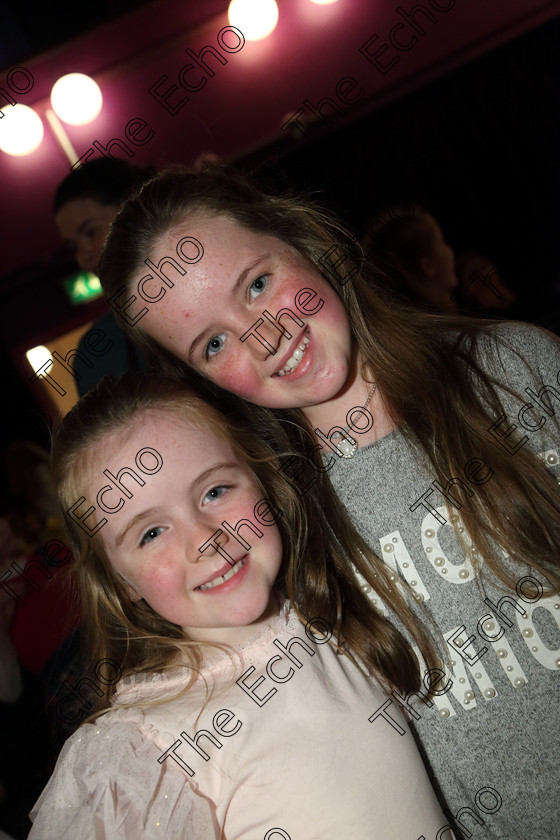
{"type": "Point", "coordinates": [524, 363]}
{"type": "Point", "coordinates": [115, 736]}
{"type": "Point", "coordinates": [519, 354]}
{"type": "Point", "coordinates": [97, 753]}
{"type": "Point", "coordinates": [108, 783]}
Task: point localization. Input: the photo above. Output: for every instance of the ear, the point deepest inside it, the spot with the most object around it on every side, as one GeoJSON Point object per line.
{"type": "Point", "coordinates": [131, 592]}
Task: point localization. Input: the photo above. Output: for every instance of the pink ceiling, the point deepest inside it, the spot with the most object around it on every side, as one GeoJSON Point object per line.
{"type": "Point", "coordinates": [245, 103]}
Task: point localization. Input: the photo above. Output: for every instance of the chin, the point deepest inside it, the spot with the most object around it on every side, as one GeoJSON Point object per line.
{"type": "Point", "coordinates": [328, 390]}
{"type": "Point", "coordinates": [254, 610]}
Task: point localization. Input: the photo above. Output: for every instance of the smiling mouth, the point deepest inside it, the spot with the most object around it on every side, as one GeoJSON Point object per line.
{"type": "Point", "coordinates": [222, 578]}
{"type": "Point", "coordinates": [296, 357]}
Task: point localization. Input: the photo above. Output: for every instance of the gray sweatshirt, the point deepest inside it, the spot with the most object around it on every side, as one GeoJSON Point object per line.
{"type": "Point", "coordinates": [491, 738]}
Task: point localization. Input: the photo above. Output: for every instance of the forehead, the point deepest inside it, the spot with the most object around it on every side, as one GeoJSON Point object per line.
{"type": "Point", "coordinates": [183, 446]}
{"type": "Point", "coordinates": [204, 295]}
{"type": "Point", "coordinates": [223, 239]}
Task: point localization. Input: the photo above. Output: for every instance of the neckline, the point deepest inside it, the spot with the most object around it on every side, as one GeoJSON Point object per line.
{"type": "Point", "coordinates": [275, 626]}
{"type": "Point", "coordinates": [214, 664]}
{"type": "Point", "coordinates": [361, 450]}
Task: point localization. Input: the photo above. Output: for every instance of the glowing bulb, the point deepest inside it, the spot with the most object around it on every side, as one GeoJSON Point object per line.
{"type": "Point", "coordinates": [21, 130]}
{"type": "Point", "coordinates": [323, 2]}
{"type": "Point", "coordinates": [255, 18]}
{"type": "Point", "coordinates": [76, 99]}
{"type": "Point", "coordinates": [37, 357]}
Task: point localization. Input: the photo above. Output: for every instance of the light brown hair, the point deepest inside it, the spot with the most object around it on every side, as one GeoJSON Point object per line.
{"type": "Point", "coordinates": [518, 509]}
{"type": "Point", "coordinates": [320, 546]}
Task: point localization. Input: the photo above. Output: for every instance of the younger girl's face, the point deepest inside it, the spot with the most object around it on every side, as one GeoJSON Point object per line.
{"type": "Point", "coordinates": [220, 318]}
{"type": "Point", "coordinates": [156, 539]}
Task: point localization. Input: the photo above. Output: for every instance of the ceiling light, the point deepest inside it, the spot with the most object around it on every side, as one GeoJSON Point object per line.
{"type": "Point", "coordinates": [255, 18]}
{"type": "Point", "coordinates": [76, 99]}
{"type": "Point", "coordinates": [21, 130]}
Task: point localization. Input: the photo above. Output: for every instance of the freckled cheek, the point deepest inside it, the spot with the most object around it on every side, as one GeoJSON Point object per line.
{"type": "Point", "coordinates": [284, 295]}
{"type": "Point", "coordinates": [244, 508]}
{"type": "Point", "coordinates": [239, 376]}
{"type": "Point", "coordinates": [267, 548]}
{"type": "Point", "coordinates": [162, 580]}
{"type": "Point", "coordinates": [271, 548]}
{"type": "Point", "coordinates": [272, 537]}
{"type": "Point", "coordinates": [331, 315]}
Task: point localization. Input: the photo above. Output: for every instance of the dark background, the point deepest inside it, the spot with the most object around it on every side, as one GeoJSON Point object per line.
{"type": "Point", "coordinates": [479, 147]}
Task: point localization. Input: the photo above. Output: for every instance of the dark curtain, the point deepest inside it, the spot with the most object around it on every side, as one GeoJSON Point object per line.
{"type": "Point", "coordinates": [479, 147]}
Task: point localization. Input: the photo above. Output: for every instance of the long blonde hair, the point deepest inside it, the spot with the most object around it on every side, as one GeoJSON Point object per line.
{"type": "Point", "coordinates": [518, 511]}
{"type": "Point", "coordinates": [320, 546]}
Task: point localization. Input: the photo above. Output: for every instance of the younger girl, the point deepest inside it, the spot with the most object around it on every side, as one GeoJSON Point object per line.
{"type": "Point", "coordinates": [440, 436]}
{"type": "Point", "coordinates": [240, 714]}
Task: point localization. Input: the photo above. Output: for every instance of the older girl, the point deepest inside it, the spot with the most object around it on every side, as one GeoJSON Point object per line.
{"type": "Point", "coordinates": [439, 435]}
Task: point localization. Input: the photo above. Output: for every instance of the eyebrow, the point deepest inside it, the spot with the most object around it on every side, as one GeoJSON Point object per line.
{"type": "Point", "coordinates": [239, 282]}
{"type": "Point", "coordinates": [204, 476]}
{"type": "Point", "coordinates": [146, 514]}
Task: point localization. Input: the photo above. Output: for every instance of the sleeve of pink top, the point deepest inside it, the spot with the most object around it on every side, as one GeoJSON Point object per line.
{"type": "Point", "coordinates": [108, 785]}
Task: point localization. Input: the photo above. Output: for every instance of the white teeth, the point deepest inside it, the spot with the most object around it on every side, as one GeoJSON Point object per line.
{"type": "Point", "coordinates": [222, 578]}
{"type": "Point", "coordinates": [295, 358]}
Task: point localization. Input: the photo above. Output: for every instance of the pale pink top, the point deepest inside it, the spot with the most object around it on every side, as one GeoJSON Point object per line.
{"type": "Point", "coordinates": [285, 753]}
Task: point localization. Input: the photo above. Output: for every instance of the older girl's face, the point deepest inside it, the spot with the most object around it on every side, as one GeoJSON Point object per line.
{"type": "Point", "coordinates": [253, 316]}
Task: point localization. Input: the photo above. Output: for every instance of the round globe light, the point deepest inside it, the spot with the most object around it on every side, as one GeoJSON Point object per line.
{"type": "Point", "coordinates": [21, 130]}
{"type": "Point", "coordinates": [255, 18]}
{"type": "Point", "coordinates": [76, 99]}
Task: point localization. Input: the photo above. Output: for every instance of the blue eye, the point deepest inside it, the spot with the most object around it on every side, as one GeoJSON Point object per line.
{"type": "Point", "coordinates": [215, 493]}
{"type": "Point", "coordinates": [215, 345]}
{"type": "Point", "coordinates": [151, 535]}
{"type": "Point", "coordinates": [258, 286]}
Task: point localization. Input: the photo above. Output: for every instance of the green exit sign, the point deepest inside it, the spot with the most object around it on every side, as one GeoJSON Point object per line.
{"type": "Point", "coordinates": [81, 288]}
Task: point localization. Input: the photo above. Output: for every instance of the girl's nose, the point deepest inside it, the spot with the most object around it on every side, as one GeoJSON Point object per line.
{"type": "Point", "coordinates": [263, 338]}
{"type": "Point", "coordinates": [210, 544]}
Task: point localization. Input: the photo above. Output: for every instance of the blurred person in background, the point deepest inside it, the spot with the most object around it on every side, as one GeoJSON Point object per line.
{"type": "Point", "coordinates": [38, 613]}
{"type": "Point", "coordinates": [85, 204]}
{"type": "Point", "coordinates": [408, 247]}
{"type": "Point", "coordinates": [481, 289]}
{"type": "Point", "coordinates": [49, 611]}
